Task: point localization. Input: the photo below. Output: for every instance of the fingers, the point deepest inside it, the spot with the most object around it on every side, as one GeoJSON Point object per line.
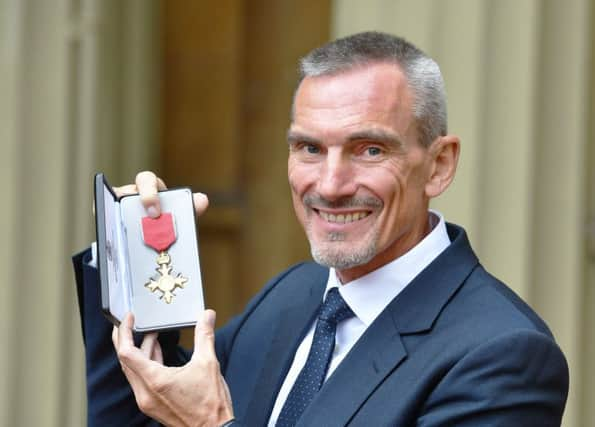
{"type": "Point", "coordinates": [204, 336]}
{"type": "Point", "coordinates": [115, 337]}
{"type": "Point", "coordinates": [148, 345]}
{"type": "Point", "coordinates": [124, 345]}
{"type": "Point", "coordinates": [151, 348]}
{"type": "Point", "coordinates": [157, 355]}
{"type": "Point", "coordinates": [149, 179]}
{"type": "Point", "coordinates": [148, 185]}
{"type": "Point", "coordinates": [123, 336]}
{"type": "Point", "coordinates": [131, 358]}
{"type": "Point", "coordinates": [124, 342]}
{"type": "Point", "coordinates": [201, 203]}
{"type": "Point", "coordinates": [125, 190]}
{"type": "Point", "coordinates": [161, 185]}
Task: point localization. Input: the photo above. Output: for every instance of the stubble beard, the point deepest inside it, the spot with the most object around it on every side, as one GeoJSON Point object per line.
{"type": "Point", "coordinates": [333, 254]}
{"type": "Point", "coordinates": [333, 251]}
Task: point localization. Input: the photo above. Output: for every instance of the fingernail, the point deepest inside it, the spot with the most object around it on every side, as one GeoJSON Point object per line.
{"type": "Point", "coordinates": [152, 211]}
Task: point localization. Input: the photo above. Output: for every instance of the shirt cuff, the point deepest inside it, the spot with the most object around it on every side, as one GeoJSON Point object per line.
{"type": "Point", "coordinates": [93, 261]}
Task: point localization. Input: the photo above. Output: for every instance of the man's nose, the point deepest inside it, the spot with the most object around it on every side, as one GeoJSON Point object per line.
{"type": "Point", "coordinates": [337, 177]}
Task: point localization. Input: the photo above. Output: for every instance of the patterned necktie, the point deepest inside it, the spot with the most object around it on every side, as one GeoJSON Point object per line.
{"type": "Point", "coordinates": [333, 310]}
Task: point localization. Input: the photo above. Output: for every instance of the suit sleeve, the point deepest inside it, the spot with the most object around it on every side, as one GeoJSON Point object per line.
{"type": "Point", "coordinates": [520, 379]}
{"type": "Point", "coordinates": [110, 398]}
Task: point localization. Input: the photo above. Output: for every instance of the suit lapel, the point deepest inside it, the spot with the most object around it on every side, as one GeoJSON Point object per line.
{"type": "Point", "coordinates": [374, 356]}
{"type": "Point", "coordinates": [380, 350]}
{"type": "Point", "coordinates": [291, 328]}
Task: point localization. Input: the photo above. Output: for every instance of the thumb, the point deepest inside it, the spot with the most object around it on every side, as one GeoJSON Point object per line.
{"type": "Point", "coordinates": [204, 335]}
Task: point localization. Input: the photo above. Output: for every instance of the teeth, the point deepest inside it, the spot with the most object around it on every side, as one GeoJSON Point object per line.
{"type": "Point", "coordinates": [343, 218]}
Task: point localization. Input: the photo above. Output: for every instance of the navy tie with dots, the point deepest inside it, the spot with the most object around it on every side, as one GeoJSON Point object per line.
{"type": "Point", "coordinates": [332, 311]}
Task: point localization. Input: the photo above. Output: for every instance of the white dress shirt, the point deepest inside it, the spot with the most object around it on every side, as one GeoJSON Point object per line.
{"type": "Point", "coordinates": [367, 296]}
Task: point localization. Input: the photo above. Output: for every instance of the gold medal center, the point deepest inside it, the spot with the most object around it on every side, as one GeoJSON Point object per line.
{"type": "Point", "coordinates": [167, 283]}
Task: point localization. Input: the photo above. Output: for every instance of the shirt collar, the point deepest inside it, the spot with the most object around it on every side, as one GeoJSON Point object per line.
{"type": "Point", "coordinates": [369, 295]}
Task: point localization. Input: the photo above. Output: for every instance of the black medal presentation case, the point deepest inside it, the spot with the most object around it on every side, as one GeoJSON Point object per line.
{"type": "Point", "coordinates": [147, 266]}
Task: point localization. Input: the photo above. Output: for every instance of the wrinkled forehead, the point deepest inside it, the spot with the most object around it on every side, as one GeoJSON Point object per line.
{"type": "Point", "coordinates": [374, 93]}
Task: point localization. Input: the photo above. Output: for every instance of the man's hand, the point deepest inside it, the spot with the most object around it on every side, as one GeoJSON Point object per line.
{"type": "Point", "coordinates": [194, 394]}
{"type": "Point", "coordinates": [191, 395]}
{"type": "Point", "coordinates": [147, 184]}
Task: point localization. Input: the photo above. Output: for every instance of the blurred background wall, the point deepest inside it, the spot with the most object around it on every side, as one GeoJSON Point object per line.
{"type": "Point", "coordinates": [199, 91]}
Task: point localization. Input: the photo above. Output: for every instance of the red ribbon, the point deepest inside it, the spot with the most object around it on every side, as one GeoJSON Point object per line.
{"type": "Point", "coordinates": [159, 233]}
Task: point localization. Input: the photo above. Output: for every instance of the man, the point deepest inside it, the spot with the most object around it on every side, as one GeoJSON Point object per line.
{"type": "Point", "coordinates": [396, 323]}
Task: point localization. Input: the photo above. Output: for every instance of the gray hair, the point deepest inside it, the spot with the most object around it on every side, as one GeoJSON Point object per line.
{"type": "Point", "coordinates": [422, 73]}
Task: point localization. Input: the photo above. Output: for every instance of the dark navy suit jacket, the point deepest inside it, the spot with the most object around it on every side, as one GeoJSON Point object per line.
{"type": "Point", "coordinates": [455, 348]}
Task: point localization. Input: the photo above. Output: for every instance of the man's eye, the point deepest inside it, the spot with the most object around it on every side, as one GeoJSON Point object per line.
{"type": "Point", "coordinates": [373, 151]}
{"type": "Point", "coordinates": [312, 149]}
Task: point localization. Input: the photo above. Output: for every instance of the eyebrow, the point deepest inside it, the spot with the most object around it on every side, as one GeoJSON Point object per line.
{"type": "Point", "coordinates": [293, 137]}
{"type": "Point", "coordinates": [378, 135]}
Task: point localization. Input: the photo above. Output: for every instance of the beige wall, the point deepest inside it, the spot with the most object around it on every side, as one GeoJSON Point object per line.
{"type": "Point", "coordinates": [587, 392]}
{"type": "Point", "coordinates": [77, 93]}
{"type": "Point", "coordinates": [36, 311]}
{"type": "Point", "coordinates": [517, 77]}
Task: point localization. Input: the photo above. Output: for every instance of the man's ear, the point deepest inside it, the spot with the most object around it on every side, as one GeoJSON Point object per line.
{"type": "Point", "coordinates": [444, 156]}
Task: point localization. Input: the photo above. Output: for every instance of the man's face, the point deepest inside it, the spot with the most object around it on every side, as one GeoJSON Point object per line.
{"type": "Point", "coordinates": [356, 169]}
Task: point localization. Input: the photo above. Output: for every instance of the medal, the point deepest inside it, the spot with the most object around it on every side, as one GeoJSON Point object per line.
{"type": "Point", "coordinates": [159, 234]}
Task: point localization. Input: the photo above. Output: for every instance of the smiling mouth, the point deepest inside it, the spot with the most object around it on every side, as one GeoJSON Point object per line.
{"type": "Point", "coordinates": [343, 218]}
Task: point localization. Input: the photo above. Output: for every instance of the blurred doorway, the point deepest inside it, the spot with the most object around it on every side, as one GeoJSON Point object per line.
{"type": "Point", "coordinates": [228, 72]}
